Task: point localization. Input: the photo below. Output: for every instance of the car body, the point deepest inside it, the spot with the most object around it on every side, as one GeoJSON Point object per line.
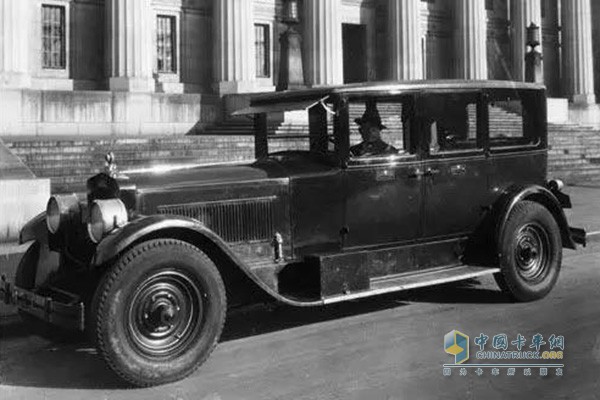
{"type": "Point", "coordinates": [151, 259]}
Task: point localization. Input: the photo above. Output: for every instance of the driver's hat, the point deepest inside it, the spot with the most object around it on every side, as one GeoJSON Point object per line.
{"type": "Point", "coordinates": [371, 115]}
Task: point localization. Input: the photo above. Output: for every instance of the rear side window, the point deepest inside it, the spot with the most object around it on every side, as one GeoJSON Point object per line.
{"type": "Point", "coordinates": [451, 120]}
{"type": "Point", "coordinates": [511, 123]}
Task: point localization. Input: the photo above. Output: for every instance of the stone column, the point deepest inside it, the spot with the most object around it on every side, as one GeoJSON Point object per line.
{"type": "Point", "coordinates": [578, 68]}
{"type": "Point", "coordinates": [471, 39]}
{"type": "Point", "coordinates": [404, 31]}
{"type": "Point", "coordinates": [323, 42]}
{"type": "Point", "coordinates": [522, 14]}
{"type": "Point", "coordinates": [234, 46]}
{"type": "Point", "coordinates": [14, 47]}
{"type": "Point", "coordinates": [129, 48]}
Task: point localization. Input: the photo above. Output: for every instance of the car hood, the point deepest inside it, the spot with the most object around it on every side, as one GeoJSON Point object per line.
{"type": "Point", "coordinates": [177, 176]}
{"type": "Point", "coordinates": [287, 165]}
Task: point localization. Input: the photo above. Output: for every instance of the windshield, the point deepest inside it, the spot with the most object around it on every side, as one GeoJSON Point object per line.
{"type": "Point", "coordinates": [303, 126]}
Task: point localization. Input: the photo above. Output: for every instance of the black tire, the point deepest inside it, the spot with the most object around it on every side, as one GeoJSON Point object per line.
{"type": "Point", "coordinates": [530, 252]}
{"type": "Point", "coordinates": [159, 312]}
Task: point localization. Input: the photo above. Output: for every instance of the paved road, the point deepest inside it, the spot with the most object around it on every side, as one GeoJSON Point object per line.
{"type": "Point", "coordinates": [384, 348]}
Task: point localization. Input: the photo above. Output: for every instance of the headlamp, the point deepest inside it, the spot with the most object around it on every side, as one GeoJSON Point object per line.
{"type": "Point", "coordinates": [105, 216]}
{"type": "Point", "coordinates": [60, 209]}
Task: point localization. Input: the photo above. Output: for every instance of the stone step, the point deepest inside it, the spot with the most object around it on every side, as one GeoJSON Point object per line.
{"type": "Point", "coordinates": [581, 166]}
{"type": "Point", "coordinates": [32, 141]}
{"type": "Point", "coordinates": [128, 150]}
{"type": "Point", "coordinates": [69, 161]}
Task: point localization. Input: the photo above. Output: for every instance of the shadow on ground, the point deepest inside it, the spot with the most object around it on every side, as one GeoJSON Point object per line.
{"type": "Point", "coordinates": [40, 362]}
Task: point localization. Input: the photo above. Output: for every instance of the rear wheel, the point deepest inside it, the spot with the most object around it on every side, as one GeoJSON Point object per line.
{"type": "Point", "coordinates": [530, 252]}
{"type": "Point", "coordinates": [159, 312]}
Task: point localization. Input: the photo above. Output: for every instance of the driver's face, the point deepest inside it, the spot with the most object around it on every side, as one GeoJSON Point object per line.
{"type": "Point", "coordinates": [363, 129]}
{"type": "Point", "coordinates": [368, 131]}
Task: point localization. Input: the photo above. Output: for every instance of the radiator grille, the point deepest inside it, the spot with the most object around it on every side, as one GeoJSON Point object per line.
{"type": "Point", "coordinates": [234, 220]}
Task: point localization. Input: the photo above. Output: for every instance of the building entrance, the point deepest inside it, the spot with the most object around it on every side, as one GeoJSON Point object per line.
{"type": "Point", "coordinates": [354, 38]}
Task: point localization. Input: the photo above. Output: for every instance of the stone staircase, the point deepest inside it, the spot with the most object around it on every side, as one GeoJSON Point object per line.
{"type": "Point", "coordinates": [574, 151]}
{"type": "Point", "coordinates": [69, 161]}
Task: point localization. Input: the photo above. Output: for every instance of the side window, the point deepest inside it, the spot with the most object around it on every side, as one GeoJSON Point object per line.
{"type": "Point", "coordinates": [452, 123]}
{"type": "Point", "coordinates": [509, 122]}
{"type": "Point", "coordinates": [380, 127]}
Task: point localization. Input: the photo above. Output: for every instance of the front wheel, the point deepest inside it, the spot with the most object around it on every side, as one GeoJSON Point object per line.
{"type": "Point", "coordinates": [530, 252]}
{"type": "Point", "coordinates": [159, 312]}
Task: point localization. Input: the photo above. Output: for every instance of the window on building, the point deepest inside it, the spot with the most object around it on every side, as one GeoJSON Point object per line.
{"type": "Point", "coordinates": [262, 45]}
{"type": "Point", "coordinates": [166, 41]}
{"type": "Point", "coordinates": [489, 5]}
{"type": "Point", "coordinates": [53, 37]}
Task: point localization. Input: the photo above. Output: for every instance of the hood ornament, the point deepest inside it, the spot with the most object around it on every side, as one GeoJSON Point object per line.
{"type": "Point", "coordinates": [110, 167]}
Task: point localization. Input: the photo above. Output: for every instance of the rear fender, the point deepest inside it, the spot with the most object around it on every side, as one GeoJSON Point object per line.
{"type": "Point", "coordinates": [513, 195]}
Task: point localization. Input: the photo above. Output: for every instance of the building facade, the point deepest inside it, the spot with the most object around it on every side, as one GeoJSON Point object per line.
{"type": "Point", "coordinates": [140, 64]}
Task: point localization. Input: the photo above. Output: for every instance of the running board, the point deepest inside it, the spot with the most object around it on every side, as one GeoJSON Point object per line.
{"type": "Point", "coordinates": [396, 283]}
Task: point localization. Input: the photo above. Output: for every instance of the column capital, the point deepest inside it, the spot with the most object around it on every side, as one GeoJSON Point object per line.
{"type": "Point", "coordinates": [404, 32]}
{"type": "Point", "coordinates": [323, 42]}
{"type": "Point", "coordinates": [471, 39]}
{"type": "Point", "coordinates": [129, 45]}
{"type": "Point", "coordinates": [15, 20]}
{"type": "Point", "coordinates": [578, 76]}
{"type": "Point", "coordinates": [235, 68]}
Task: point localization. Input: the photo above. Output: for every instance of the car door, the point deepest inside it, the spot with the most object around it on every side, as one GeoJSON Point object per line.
{"type": "Point", "coordinates": [454, 165]}
{"type": "Point", "coordinates": [384, 192]}
{"type": "Point", "coordinates": [383, 200]}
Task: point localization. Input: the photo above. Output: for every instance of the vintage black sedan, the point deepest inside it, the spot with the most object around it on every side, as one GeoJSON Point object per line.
{"type": "Point", "coordinates": [147, 262]}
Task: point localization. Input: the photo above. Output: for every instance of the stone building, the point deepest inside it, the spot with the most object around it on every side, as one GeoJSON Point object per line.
{"type": "Point", "coordinates": [165, 66]}
{"type": "Point", "coordinates": [78, 78]}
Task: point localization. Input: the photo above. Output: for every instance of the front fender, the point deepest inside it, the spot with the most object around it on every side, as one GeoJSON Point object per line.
{"type": "Point", "coordinates": [112, 245]}
{"type": "Point", "coordinates": [115, 243]}
{"type": "Point", "coordinates": [35, 229]}
{"type": "Point", "coordinates": [515, 194]}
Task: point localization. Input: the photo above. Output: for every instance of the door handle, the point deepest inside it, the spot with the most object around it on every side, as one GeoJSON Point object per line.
{"type": "Point", "coordinates": [431, 171]}
{"type": "Point", "coordinates": [458, 169]}
{"type": "Point", "coordinates": [416, 173]}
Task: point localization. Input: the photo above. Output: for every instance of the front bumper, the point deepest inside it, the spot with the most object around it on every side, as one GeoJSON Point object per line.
{"type": "Point", "coordinates": [65, 311]}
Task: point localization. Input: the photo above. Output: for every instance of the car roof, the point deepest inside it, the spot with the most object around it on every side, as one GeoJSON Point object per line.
{"type": "Point", "coordinates": [390, 88]}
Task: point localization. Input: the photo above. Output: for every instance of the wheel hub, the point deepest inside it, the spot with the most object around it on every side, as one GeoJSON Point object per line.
{"type": "Point", "coordinates": [165, 313]}
{"type": "Point", "coordinates": [531, 251]}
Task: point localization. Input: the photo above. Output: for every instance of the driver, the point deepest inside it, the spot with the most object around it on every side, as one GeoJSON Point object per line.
{"type": "Point", "coordinates": [370, 126]}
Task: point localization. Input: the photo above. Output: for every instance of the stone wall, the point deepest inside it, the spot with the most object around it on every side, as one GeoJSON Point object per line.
{"type": "Point", "coordinates": [33, 112]}
{"type": "Point", "coordinates": [596, 45]}
{"type": "Point", "coordinates": [437, 29]}
{"type": "Point", "coordinates": [551, 47]}
{"type": "Point", "coordinates": [22, 195]}
{"type": "Point", "coordinates": [498, 42]}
